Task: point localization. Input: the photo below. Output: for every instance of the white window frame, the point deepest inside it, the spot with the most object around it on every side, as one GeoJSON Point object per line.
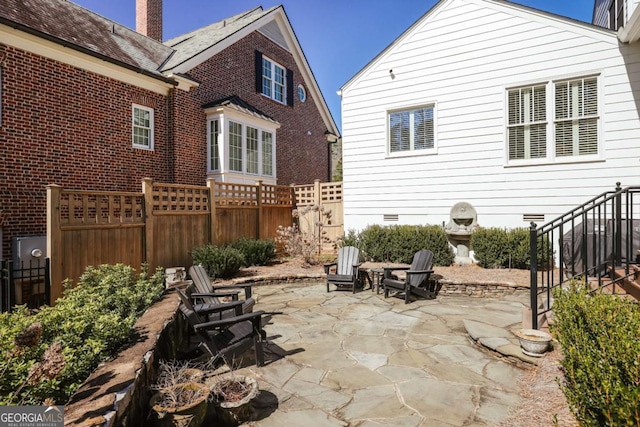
{"type": "Point", "coordinates": [527, 119]}
{"type": "Point", "coordinates": [213, 147]}
{"type": "Point", "coordinates": [135, 107]}
{"type": "Point", "coordinates": [269, 83]}
{"type": "Point", "coordinates": [224, 149]}
{"type": "Point", "coordinates": [579, 113]}
{"type": "Point", "coordinates": [412, 151]}
{"type": "Point", "coordinates": [550, 90]}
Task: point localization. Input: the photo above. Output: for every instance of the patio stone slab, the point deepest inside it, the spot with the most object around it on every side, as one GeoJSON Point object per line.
{"type": "Point", "coordinates": [321, 396]}
{"type": "Point", "coordinates": [377, 403]}
{"type": "Point", "coordinates": [371, 361]}
{"type": "Point", "coordinates": [477, 330]}
{"type": "Point", "coordinates": [343, 359]}
{"type": "Point", "coordinates": [435, 400]}
{"type": "Point", "coordinates": [315, 418]}
{"type": "Point", "coordinates": [354, 378]}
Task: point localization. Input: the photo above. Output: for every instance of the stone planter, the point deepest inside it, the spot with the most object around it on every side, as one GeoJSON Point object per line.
{"type": "Point", "coordinates": [534, 342]}
{"type": "Point", "coordinates": [189, 415]}
{"type": "Point", "coordinates": [235, 408]}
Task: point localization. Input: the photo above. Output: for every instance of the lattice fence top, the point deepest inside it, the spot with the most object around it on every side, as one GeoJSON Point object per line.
{"type": "Point", "coordinates": [305, 194]}
{"type": "Point", "coordinates": [331, 192]}
{"type": "Point", "coordinates": [180, 198]}
{"type": "Point", "coordinates": [277, 195]}
{"type": "Point", "coordinates": [318, 193]}
{"type": "Point", "coordinates": [235, 194]}
{"type": "Point", "coordinates": [100, 207]}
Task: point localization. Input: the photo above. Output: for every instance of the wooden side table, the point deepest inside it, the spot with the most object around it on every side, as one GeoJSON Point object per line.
{"type": "Point", "coordinates": [376, 280]}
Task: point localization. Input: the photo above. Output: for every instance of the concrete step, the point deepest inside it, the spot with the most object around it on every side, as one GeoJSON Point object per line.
{"type": "Point", "coordinates": [631, 284]}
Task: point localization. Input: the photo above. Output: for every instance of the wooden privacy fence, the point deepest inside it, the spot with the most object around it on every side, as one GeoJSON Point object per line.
{"type": "Point", "coordinates": [158, 226]}
{"type": "Point", "coordinates": [327, 195]}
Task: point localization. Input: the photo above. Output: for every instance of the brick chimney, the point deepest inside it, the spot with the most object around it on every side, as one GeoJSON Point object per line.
{"type": "Point", "coordinates": [149, 18]}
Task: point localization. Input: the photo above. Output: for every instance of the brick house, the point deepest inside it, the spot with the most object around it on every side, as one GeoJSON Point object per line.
{"type": "Point", "coordinates": [87, 103]}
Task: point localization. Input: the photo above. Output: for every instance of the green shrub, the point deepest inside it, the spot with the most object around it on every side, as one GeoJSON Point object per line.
{"type": "Point", "coordinates": [351, 238]}
{"type": "Point", "coordinates": [218, 261]}
{"type": "Point", "coordinates": [398, 243]}
{"type": "Point", "coordinates": [87, 326]}
{"type": "Point", "coordinates": [491, 247]}
{"type": "Point", "coordinates": [255, 252]}
{"type": "Point", "coordinates": [599, 339]}
{"type": "Point", "coordinates": [502, 248]}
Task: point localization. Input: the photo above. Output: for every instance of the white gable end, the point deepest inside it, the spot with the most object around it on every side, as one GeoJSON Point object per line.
{"type": "Point", "coordinates": [460, 60]}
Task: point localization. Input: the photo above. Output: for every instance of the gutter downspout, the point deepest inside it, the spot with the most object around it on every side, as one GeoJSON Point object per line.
{"type": "Point", "coordinates": [171, 98]}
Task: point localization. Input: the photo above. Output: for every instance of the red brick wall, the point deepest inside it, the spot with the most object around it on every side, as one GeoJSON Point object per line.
{"type": "Point", "coordinates": [300, 158]}
{"type": "Point", "coordinates": [190, 146]}
{"type": "Point", "coordinates": [70, 127]}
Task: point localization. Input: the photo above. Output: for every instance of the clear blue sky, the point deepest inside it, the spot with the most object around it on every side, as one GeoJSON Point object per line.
{"type": "Point", "coordinates": [338, 37]}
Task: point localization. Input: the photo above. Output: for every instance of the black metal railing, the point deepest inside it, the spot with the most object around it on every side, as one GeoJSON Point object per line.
{"type": "Point", "coordinates": [597, 236]}
{"type": "Point", "coordinates": [26, 283]}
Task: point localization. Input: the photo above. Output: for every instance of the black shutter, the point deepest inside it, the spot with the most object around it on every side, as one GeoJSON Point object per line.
{"type": "Point", "coordinates": [258, 72]}
{"type": "Point", "coordinates": [289, 87]}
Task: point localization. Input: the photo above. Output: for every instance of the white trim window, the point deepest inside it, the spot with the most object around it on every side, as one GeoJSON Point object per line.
{"type": "Point", "coordinates": [274, 78]}
{"type": "Point", "coordinates": [576, 118]}
{"type": "Point", "coordinates": [267, 153]}
{"type": "Point", "coordinates": [214, 145]}
{"type": "Point", "coordinates": [142, 127]}
{"type": "Point", "coordinates": [412, 130]}
{"type": "Point", "coordinates": [237, 147]}
{"type": "Point", "coordinates": [554, 121]}
{"type": "Point", "coordinates": [527, 128]}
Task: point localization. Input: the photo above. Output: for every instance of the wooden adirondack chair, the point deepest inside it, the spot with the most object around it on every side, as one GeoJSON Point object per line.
{"type": "Point", "coordinates": [417, 278]}
{"type": "Point", "coordinates": [203, 284]}
{"type": "Point", "coordinates": [228, 338]}
{"type": "Point", "coordinates": [345, 273]}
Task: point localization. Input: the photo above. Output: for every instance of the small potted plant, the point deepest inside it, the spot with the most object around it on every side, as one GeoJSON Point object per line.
{"type": "Point", "coordinates": [231, 397]}
{"type": "Point", "coordinates": [181, 398]}
{"type": "Point", "coordinates": [534, 342]}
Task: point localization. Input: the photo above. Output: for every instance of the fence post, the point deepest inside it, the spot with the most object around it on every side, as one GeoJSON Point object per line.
{"type": "Point", "coordinates": [54, 241]}
{"type": "Point", "coordinates": [147, 191]}
{"type": "Point", "coordinates": [317, 196]}
{"type": "Point", "coordinates": [618, 232]}
{"type": "Point", "coordinates": [533, 249]}
{"type": "Point", "coordinates": [211, 183]}
{"type": "Point", "coordinates": [260, 213]}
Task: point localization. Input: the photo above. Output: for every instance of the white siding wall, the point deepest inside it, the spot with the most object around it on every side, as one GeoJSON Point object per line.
{"type": "Point", "coordinates": [462, 57]}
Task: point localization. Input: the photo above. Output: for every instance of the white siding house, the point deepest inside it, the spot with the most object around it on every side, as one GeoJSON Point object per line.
{"type": "Point", "coordinates": [522, 113]}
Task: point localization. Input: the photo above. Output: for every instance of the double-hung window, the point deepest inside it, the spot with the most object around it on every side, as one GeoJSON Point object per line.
{"type": "Point", "coordinates": [576, 118]}
{"type": "Point", "coordinates": [142, 125]}
{"type": "Point", "coordinates": [553, 121]}
{"type": "Point", "coordinates": [273, 80]}
{"type": "Point", "coordinates": [235, 147]}
{"type": "Point", "coordinates": [527, 129]}
{"type": "Point", "coordinates": [412, 130]}
{"type": "Point", "coordinates": [267, 153]}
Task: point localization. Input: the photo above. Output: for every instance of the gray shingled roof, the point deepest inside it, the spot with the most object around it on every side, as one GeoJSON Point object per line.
{"type": "Point", "coordinates": [191, 44]}
{"type": "Point", "coordinates": [239, 104]}
{"type": "Point", "coordinates": [66, 22]}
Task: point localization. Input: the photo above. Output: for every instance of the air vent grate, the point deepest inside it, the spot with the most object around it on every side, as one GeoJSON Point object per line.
{"type": "Point", "coordinates": [537, 218]}
{"type": "Point", "coordinates": [390, 217]}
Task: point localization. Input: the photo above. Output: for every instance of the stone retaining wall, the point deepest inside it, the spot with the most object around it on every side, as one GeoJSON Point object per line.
{"type": "Point", "coordinates": [118, 391]}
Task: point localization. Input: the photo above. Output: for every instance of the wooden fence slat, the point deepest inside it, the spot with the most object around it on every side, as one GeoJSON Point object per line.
{"type": "Point", "coordinates": [161, 224]}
